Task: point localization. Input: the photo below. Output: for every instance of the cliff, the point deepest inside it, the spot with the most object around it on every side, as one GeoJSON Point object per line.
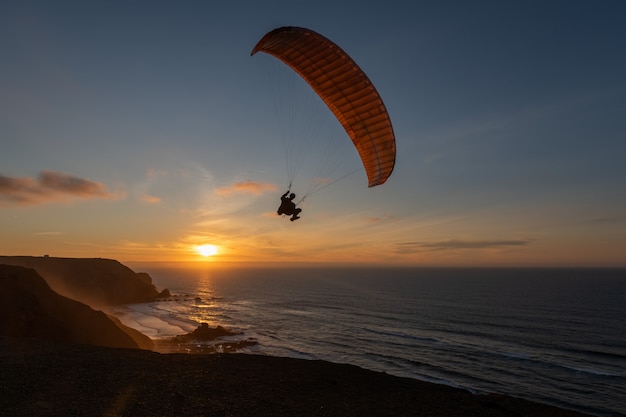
{"type": "Point", "coordinates": [93, 281]}
{"type": "Point", "coordinates": [29, 308]}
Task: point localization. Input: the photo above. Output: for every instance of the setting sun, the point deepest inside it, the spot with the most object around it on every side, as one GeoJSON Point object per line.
{"type": "Point", "coordinates": [206, 250]}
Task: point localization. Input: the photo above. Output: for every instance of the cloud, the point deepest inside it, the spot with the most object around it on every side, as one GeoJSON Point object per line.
{"type": "Point", "coordinates": [610, 220]}
{"type": "Point", "coordinates": [48, 187]}
{"type": "Point", "coordinates": [378, 219]}
{"type": "Point", "coordinates": [155, 173]}
{"type": "Point", "coordinates": [247, 187]}
{"type": "Point", "coordinates": [411, 247]}
{"type": "Point", "coordinates": [151, 199]}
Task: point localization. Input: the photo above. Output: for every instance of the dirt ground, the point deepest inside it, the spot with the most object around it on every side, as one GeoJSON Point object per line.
{"type": "Point", "coordinates": [48, 379]}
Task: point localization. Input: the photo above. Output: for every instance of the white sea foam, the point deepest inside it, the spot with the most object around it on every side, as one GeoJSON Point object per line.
{"type": "Point", "coordinates": [153, 320]}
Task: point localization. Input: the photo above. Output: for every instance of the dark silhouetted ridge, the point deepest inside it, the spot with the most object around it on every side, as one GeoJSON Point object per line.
{"type": "Point", "coordinates": [30, 309]}
{"type": "Point", "coordinates": [93, 281]}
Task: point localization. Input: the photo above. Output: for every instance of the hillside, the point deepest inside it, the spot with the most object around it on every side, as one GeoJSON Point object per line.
{"type": "Point", "coordinates": [93, 281]}
{"type": "Point", "coordinates": [30, 309]}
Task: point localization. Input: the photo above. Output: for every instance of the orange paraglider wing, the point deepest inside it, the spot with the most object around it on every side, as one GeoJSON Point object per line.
{"type": "Point", "coordinates": [345, 89]}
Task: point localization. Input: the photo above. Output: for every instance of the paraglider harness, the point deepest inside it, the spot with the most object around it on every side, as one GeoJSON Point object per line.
{"type": "Point", "coordinates": [288, 207]}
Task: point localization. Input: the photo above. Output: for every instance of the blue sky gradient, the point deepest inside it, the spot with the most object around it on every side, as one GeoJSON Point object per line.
{"type": "Point", "coordinates": [137, 130]}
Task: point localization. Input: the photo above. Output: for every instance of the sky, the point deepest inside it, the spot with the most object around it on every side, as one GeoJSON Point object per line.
{"type": "Point", "coordinates": [139, 130]}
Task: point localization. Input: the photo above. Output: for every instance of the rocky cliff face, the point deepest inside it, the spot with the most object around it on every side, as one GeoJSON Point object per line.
{"type": "Point", "coordinates": [29, 308]}
{"type": "Point", "coordinates": [96, 282]}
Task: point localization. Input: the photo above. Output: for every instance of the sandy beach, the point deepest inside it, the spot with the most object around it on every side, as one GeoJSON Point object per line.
{"type": "Point", "coordinates": [51, 379]}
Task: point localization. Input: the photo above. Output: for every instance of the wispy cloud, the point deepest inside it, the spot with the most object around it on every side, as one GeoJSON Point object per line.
{"type": "Point", "coordinates": [48, 187]}
{"type": "Point", "coordinates": [610, 220]}
{"type": "Point", "coordinates": [412, 247]}
{"type": "Point", "coordinates": [151, 199]}
{"type": "Point", "coordinates": [247, 187]}
{"type": "Point", "coordinates": [379, 219]}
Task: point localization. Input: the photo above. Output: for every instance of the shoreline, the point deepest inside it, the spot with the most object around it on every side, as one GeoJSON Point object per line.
{"type": "Point", "coordinates": [47, 378]}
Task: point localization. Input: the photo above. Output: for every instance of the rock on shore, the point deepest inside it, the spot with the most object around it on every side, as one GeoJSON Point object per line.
{"type": "Point", "coordinates": [203, 340]}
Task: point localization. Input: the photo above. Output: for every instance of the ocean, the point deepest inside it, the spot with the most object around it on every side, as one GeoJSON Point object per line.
{"type": "Point", "coordinates": [556, 336]}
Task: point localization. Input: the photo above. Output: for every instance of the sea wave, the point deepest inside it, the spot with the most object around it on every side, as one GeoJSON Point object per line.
{"type": "Point", "coordinates": [403, 335]}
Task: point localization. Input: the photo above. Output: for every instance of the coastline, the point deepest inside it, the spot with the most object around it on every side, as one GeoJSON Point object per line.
{"type": "Point", "coordinates": [47, 378]}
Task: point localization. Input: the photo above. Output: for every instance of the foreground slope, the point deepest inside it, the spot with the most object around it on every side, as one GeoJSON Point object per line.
{"type": "Point", "coordinates": [59, 379]}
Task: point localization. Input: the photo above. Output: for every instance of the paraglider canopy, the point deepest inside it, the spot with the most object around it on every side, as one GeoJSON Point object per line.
{"type": "Point", "coordinates": [345, 89]}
